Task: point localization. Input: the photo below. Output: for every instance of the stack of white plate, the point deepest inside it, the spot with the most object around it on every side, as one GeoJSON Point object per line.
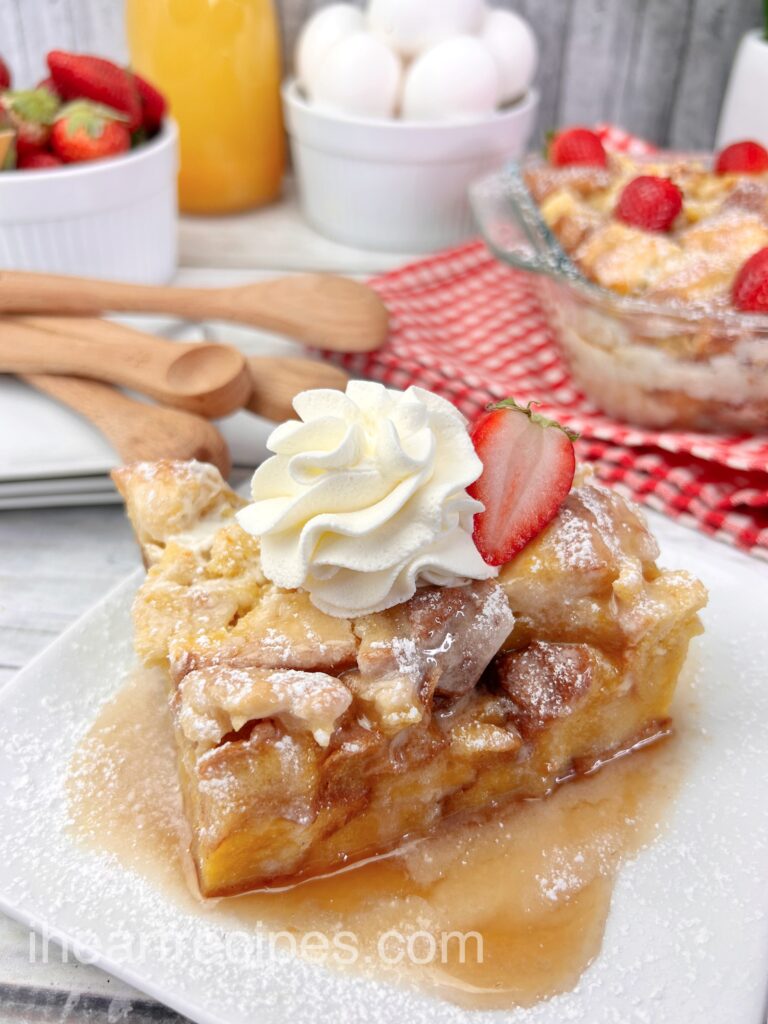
{"type": "Point", "coordinates": [51, 456]}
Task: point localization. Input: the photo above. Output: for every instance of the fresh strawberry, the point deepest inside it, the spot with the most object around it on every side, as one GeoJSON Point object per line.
{"type": "Point", "coordinates": [528, 466]}
{"type": "Point", "coordinates": [649, 203]}
{"type": "Point", "coordinates": [89, 131]}
{"type": "Point", "coordinates": [746, 157]}
{"type": "Point", "coordinates": [49, 84]}
{"type": "Point", "coordinates": [79, 76]}
{"type": "Point", "coordinates": [5, 76]}
{"type": "Point", "coordinates": [31, 112]}
{"type": "Point", "coordinates": [750, 288]}
{"type": "Point", "coordinates": [153, 105]}
{"type": "Point", "coordinates": [577, 146]}
{"type": "Point", "coordinates": [38, 161]}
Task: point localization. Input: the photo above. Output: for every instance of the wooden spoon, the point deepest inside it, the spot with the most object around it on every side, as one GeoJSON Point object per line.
{"type": "Point", "coordinates": [277, 380]}
{"type": "Point", "coordinates": [137, 432]}
{"type": "Point", "coordinates": [319, 309]}
{"type": "Point", "coordinates": [208, 379]}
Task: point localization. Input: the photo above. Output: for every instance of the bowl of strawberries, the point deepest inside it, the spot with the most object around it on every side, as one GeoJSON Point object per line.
{"type": "Point", "coordinates": [88, 162]}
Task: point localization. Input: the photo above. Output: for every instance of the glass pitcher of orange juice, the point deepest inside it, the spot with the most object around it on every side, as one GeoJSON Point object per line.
{"type": "Point", "coordinates": [218, 63]}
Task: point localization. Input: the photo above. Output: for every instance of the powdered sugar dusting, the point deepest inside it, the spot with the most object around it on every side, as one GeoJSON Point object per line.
{"type": "Point", "coordinates": [218, 700]}
{"type": "Point", "coordinates": [408, 657]}
{"type": "Point", "coordinates": [684, 941]}
{"type": "Point", "coordinates": [573, 542]}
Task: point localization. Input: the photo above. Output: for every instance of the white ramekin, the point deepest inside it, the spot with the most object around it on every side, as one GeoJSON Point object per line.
{"type": "Point", "coordinates": [112, 218]}
{"type": "Point", "coordinates": [397, 185]}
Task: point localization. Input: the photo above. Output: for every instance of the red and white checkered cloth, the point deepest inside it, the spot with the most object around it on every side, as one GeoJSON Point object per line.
{"type": "Point", "coordinates": [469, 328]}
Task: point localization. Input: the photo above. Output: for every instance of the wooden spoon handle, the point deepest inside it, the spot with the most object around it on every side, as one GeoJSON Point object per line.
{"type": "Point", "coordinates": [320, 309]}
{"type": "Point", "coordinates": [25, 292]}
{"type": "Point", "coordinates": [137, 431]}
{"type": "Point", "coordinates": [135, 360]}
{"type": "Point", "coordinates": [277, 380]}
{"type": "Point", "coordinates": [211, 380]}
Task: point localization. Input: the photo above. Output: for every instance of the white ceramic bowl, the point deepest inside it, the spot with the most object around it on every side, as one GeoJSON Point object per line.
{"type": "Point", "coordinates": [397, 185]}
{"type": "Point", "coordinates": [112, 218]}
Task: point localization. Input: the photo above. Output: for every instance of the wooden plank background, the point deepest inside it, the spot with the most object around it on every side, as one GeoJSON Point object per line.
{"type": "Point", "coordinates": [658, 67]}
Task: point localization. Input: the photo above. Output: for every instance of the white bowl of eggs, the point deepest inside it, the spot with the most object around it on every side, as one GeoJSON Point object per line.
{"type": "Point", "coordinates": [397, 108]}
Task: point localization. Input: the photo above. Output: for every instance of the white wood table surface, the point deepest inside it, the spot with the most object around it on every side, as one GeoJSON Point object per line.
{"type": "Point", "coordinates": [56, 563]}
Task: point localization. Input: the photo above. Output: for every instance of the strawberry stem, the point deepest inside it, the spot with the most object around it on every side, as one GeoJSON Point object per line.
{"type": "Point", "coordinates": [534, 417]}
{"type": "Point", "coordinates": [36, 105]}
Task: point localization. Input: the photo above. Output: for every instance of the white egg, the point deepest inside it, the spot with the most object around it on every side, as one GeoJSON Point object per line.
{"type": "Point", "coordinates": [359, 76]}
{"type": "Point", "coordinates": [455, 80]}
{"type": "Point", "coordinates": [513, 46]}
{"type": "Point", "coordinates": [320, 33]}
{"type": "Point", "coordinates": [410, 26]}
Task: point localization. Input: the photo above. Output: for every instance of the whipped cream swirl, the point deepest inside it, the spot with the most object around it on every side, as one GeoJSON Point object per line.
{"type": "Point", "coordinates": [365, 498]}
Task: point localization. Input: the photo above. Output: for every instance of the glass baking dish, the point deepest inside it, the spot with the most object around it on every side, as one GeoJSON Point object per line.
{"type": "Point", "coordinates": [658, 365]}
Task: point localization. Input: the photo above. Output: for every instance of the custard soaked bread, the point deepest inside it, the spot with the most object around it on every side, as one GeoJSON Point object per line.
{"type": "Point", "coordinates": [309, 741]}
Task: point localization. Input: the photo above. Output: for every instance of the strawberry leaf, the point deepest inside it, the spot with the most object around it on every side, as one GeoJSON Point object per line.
{"type": "Point", "coordinates": [82, 115]}
{"type": "Point", "coordinates": [534, 417]}
{"type": "Point", "coordinates": [38, 106]}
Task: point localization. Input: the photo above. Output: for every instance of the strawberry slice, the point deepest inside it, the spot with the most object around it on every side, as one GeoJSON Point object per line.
{"type": "Point", "coordinates": [528, 467]}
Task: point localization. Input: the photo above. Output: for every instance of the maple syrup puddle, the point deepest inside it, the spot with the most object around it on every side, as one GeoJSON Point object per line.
{"type": "Point", "coordinates": [534, 881]}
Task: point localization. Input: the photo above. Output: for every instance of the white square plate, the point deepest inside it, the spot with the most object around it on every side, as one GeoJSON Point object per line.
{"type": "Point", "coordinates": [687, 937]}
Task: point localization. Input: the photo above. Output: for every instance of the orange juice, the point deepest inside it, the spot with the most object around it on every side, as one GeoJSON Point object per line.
{"type": "Point", "coordinates": [218, 63]}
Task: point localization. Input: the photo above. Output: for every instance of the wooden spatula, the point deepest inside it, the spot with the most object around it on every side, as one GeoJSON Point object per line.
{"type": "Point", "coordinates": [208, 379]}
{"type": "Point", "coordinates": [137, 432]}
{"type": "Point", "coordinates": [319, 309]}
